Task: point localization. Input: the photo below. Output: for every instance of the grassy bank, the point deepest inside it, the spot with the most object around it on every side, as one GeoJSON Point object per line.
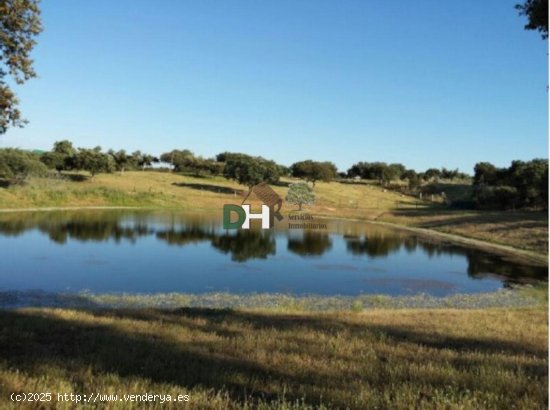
{"type": "Point", "coordinates": [522, 230]}
{"type": "Point", "coordinates": [467, 359]}
{"type": "Point", "coordinates": [518, 296]}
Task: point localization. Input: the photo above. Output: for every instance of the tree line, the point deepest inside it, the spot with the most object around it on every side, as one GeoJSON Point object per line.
{"type": "Point", "coordinates": [523, 184]}
{"type": "Point", "coordinates": [16, 164]}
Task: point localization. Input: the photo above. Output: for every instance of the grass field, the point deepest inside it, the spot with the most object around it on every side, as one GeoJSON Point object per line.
{"type": "Point", "coordinates": [291, 357]}
{"type": "Point", "coordinates": [522, 230]}
{"type": "Point", "coordinates": [422, 359]}
{"type": "Point", "coordinates": [163, 189]}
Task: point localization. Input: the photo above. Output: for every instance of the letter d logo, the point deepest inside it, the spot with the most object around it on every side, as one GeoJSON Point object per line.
{"type": "Point", "coordinates": [227, 224]}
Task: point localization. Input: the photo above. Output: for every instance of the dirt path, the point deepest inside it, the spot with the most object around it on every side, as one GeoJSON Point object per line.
{"type": "Point", "coordinates": [521, 254]}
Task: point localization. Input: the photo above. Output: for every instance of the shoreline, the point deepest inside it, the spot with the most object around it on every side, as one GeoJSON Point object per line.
{"type": "Point", "coordinates": [526, 296]}
{"type": "Point", "coordinates": [520, 255]}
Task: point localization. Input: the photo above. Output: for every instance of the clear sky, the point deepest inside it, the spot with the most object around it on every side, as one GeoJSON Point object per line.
{"type": "Point", "coordinates": [426, 83]}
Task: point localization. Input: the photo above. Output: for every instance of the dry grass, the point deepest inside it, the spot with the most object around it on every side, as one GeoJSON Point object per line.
{"type": "Point", "coordinates": [420, 359]}
{"type": "Point", "coordinates": [522, 230]}
{"type": "Point", "coordinates": [162, 189]}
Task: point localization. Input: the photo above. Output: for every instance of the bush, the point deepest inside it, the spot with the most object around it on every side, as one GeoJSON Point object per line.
{"type": "Point", "coordinates": [523, 184]}
{"type": "Point", "coordinates": [17, 165]}
{"type": "Point", "coordinates": [496, 197]}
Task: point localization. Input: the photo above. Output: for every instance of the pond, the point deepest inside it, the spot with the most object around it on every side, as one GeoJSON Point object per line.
{"type": "Point", "coordinates": [153, 252]}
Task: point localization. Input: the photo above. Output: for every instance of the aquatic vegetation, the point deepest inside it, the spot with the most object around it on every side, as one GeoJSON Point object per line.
{"type": "Point", "coordinates": [517, 297]}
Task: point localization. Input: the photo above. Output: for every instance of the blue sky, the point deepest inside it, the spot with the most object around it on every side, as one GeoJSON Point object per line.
{"type": "Point", "coordinates": [426, 83]}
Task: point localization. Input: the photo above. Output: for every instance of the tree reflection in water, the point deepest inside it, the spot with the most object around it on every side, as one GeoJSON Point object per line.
{"type": "Point", "coordinates": [310, 243]}
{"type": "Point", "coordinates": [243, 245]}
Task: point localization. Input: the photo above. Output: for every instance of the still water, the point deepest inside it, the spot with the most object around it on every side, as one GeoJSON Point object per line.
{"type": "Point", "coordinates": [148, 252]}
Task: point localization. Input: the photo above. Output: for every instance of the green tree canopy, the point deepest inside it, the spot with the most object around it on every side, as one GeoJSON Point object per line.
{"type": "Point", "coordinates": [19, 25]}
{"type": "Point", "coordinates": [300, 194]}
{"type": "Point", "coordinates": [94, 161]}
{"type": "Point", "coordinates": [250, 171]}
{"type": "Point", "coordinates": [61, 157]}
{"type": "Point", "coordinates": [122, 161]}
{"type": "Point", "coordinates": [179, 159]}
{"type": "Point", "coordinates": [523, 184]}
{"type": "Point", "coordinates": [379, 171]}
{"type": "Point", "coordinates": [412, 178]}
{"type": "Point", "coordinates": [185, 160]}
{"type": "Point", "coordinates": [64, 147]}
{"type": "Point", "coordinates": [16, 165]}
{"type": "Point", "coordinates": [313, 171]}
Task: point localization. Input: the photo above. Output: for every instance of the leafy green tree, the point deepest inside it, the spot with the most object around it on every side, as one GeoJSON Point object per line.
{"type": "Point", "coordinates": [523, 184]}
{"type": "Point", "coordinates": [412, 178]}
{"type": "Point", "coordinates": [122, 161]}
{"type": "Point", "coordinates": [379, 171]}
{"type": "Point", "coordinates": [140, 160]}
{"type": "Point", "coordinates": [485, 173]}
{"type": "Point", "coordinates": [185, 160]}
{"type": "Point", "coordinates": [224, 156]}
{"type": "Point", "coordinates": [64, 147]}
{"type": "Point", "coordinates": [432, 174]}
{"type": "Point", "coordinates": [250, 171]}
{"type": "Point", "coordinates": [284, 170]}
{"type": "Point", "coordinates": [536, 12]}
{"type": "Point", "coordinates": [300, 194]}
{"type": "Point", "coordinates": [61, 157]}
{"type": "Point", "coordinates": [53, 160]}
{"type": "Point", "coordinates": [179, 159]}
{"type": "Point", "coordinates": [215, 167]}
{"type": "Point", "coordinates": [94, 161]}
{"type": "Point", "coordinates": [449, 173]}
{"type": "Point", "coordinates": [531, 181]}
{"type": "Point", "coordinates": [17, 165]}
{"type": "Point", "coordinates": [19, 25]}
{"type": "Point", "coordinates": [200, 165]}
{"type": "Point", "coordinates": [392, 172]}
{"type": "Point", "coordinates": [313, 171]}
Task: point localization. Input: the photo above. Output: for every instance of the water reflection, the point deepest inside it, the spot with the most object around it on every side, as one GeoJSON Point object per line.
{"type": "Point", "coordinates": [375, 244]}
{"type": "Point", "coordinates": [245, 245]}
{"type": "Point", "coordinates": [310, 243]}
{"type": "Point", "coordinates": [358, 241]}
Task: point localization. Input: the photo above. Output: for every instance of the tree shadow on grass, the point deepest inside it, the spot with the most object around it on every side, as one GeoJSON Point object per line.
{"type": "Point", "coordinates": [37, 339]}
{"type": "Point", "coordinates": [210, 353]}
{"type": "Point", "coordinates": [219, 189]}
{"type": "Point", "coordinates": [283, 184]}
{"type": "Point", "coordinates": [331, 325]}
{"type": "Point", "coordinates": [76, 177]}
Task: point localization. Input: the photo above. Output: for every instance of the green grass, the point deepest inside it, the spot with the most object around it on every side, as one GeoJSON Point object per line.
{"type": "Point", "coordinates": [225, 359]}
